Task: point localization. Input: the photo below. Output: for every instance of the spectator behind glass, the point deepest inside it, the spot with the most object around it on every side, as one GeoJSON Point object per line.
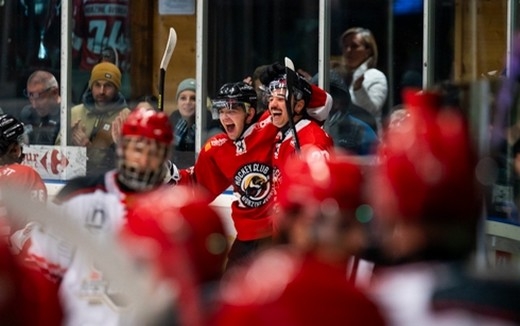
{"type": "Point", "coordinates": [41, 118]}
{"type": "Point", "coordinates": [347, 131]}
{"type": "Point", "coordinates": [183, 122]}
{"type": "Point", "coordinates": [367, 85]}
{"type": "Point", "coordinates": [100, 33]}
{"type": "Point", "coordinates": [91, 121]}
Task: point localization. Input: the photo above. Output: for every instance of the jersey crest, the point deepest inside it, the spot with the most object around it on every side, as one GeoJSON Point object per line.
{"type": "Point", "coordinates": [253, 184]}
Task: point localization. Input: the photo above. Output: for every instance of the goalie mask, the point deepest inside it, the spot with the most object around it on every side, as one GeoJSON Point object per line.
{"type": "Point", "coordinates": [143, 149]}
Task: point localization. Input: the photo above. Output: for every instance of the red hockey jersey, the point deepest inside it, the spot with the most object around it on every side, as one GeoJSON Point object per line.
{"type": "Point", "coordinates": [244, 164]}
{"type": "Point", "coordinates": [309, 134]}
{"type": "Point", "coordinates": [25, 178]}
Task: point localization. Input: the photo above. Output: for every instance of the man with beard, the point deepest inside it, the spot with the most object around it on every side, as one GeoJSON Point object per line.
{"type": "Point", "coordinates": [92, 120]}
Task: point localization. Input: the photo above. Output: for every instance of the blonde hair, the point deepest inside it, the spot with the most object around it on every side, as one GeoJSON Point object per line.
{"type": "Point", "coordinates": [368, 41]}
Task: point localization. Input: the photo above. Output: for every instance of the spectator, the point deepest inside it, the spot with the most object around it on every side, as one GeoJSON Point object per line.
{"type": "Point", "coordinates": [183, 122]}
{"type": "Point", "coordinates": [368, 86]}
{"type": "Point", "coordinates": [101, 32]}
{"type": "Point", "coordinates": [42, 117]}
{"type": "Point", "coordinates": [347, 131]}
{"type": "Point", "coordinates": [183, 119]}
{"type": "Point", "coordinates": [91, 121]}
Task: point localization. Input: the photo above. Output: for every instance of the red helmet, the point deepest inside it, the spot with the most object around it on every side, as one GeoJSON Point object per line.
{"type": "Point", "coordinates": [318, 201]}
{"type": "Point", "coordinates": [181, 217]}
{"type": "Point", "coordinates": [309, 180]}
{"type": "Point", "coordinates": [148, 124]}
{"type": "Point", "coordinates": [427, 165]}
{"type": "Point", "coordinates": [150, 129]}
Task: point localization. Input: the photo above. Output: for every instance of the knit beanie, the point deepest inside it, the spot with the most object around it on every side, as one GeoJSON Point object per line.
{"type": "Point", "coordinates": [106, 71]}
{"type": "Point", "coordinates": [186, 84]}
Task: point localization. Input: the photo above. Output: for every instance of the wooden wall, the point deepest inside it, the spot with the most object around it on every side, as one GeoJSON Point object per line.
{"type": "Point", "coordinates": [480, 38]}
{"type": "Point", "coordinates": [149, 33]}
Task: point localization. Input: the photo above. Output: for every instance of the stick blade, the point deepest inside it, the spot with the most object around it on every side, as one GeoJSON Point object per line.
{"type": "Point", "coordinates": [168, 51]}
{"type": "Point", "coordinates": [289, 64]}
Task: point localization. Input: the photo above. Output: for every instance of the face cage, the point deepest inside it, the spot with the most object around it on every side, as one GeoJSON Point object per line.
{"type": "Point", "coordinates": [277, 84]}
{"type": "Point", "coordinates": [134, 178]}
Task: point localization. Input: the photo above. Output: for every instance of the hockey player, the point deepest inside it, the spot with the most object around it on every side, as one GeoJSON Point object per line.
{"type": "Point", "coordinates": [242, 158]}
{"type": "Point", "coordinates": [308, 131]}
{"type": "Point", "coordinates": [427, 204]}
{"type": "Point", "coordinates": [304, 282]}
{"type": "Point", "coordinates": [27, 286]}
{"type": "Point", "coordinates": [99, 206]}
{"type": "Point", "coordinates": [11, 157]}
{"type": "Point", "coordinates": [181, 223]}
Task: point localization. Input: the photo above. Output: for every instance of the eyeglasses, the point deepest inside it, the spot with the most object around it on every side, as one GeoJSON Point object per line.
{"type": "Point", "coordinates": [35, 96]}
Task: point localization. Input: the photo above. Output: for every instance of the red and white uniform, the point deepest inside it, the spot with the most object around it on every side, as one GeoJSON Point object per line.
{"type": "Point", "coordinates": [26, 178]}
{"type": "Point", "coordinates": [99, 207]}
{"type": "Point", "coordinates": [101, 24]}
{"type": "Point", "coordinates": [283, 287]}
{"type": "Point", "coordinates": [310, 134]}
{"type": "Point", "coordinates": [246, 165]}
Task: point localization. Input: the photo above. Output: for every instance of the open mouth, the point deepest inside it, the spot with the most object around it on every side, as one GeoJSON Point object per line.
{"type": "Point", "coordinates": [276, 112]}
{"type": "Point", "coordinates": [230, 128]}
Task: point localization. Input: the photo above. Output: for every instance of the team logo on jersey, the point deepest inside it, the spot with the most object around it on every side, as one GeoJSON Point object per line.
{"type": "Point", "coordinates": [254, 183]}
{"type": "Point", "coordinates": [96, 219]}
{"type": "Point", "coordinates": [241, 146]}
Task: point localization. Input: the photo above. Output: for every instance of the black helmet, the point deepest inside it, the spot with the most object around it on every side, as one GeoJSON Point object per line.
{"type": "Point", "coordinates": [10, 131]}
{"type": "Point", "coordinates": [230, 93]}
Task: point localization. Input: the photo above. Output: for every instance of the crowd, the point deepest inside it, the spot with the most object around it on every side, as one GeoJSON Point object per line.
{"type": "Point", "coordinates": [137, 242]}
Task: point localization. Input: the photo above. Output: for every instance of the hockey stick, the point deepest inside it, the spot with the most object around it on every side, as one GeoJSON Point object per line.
{"type": "Point", "coordinates": [291, 78]}
{"type": "Point", "coordinates": [168, 52]}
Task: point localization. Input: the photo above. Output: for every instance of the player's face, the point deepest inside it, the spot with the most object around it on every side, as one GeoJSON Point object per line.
{"type": "Point", "coordinates": [234, 118]}
{"type": "Point", "coordinates": [144, 154]}
{"type": "Point", "coordinates": [277, 108]}
{"type": "Point", "coordinates": [186, 104]}
{"type": "Point", "coordinates": [103, 92]}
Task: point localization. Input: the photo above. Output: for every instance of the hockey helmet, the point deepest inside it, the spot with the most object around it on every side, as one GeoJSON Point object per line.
{"type": "Point", "coordinates": [231, 95]}
{"type": "Point", "coordinates": [427, 165]}
{"type": "Point", "coordinates": [11, 129]}
{"type": "Point", "coordinates": [180, 218]}
{"type": "Point", "coordinates": [302, 90]}
{"type": "Point", "coordinates": [149, 129]}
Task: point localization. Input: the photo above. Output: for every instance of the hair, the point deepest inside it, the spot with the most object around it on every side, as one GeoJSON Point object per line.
{"type": "Point", "coordinates": [259, 71]}
{"type": "Point", "coordinates": [368, 40]}
{"type": "Point", "coordinates": [43, 77]}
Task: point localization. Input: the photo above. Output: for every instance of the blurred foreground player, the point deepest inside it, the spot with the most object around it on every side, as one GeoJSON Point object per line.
{"type": "Point", "coordinates": [304, 281]}
{"type": "Point", "coordinates": [427, 205]}
{"type": "Point", "coordinates": [99, 207]}
{"type": "Point", "coordinates": [183, 238]}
